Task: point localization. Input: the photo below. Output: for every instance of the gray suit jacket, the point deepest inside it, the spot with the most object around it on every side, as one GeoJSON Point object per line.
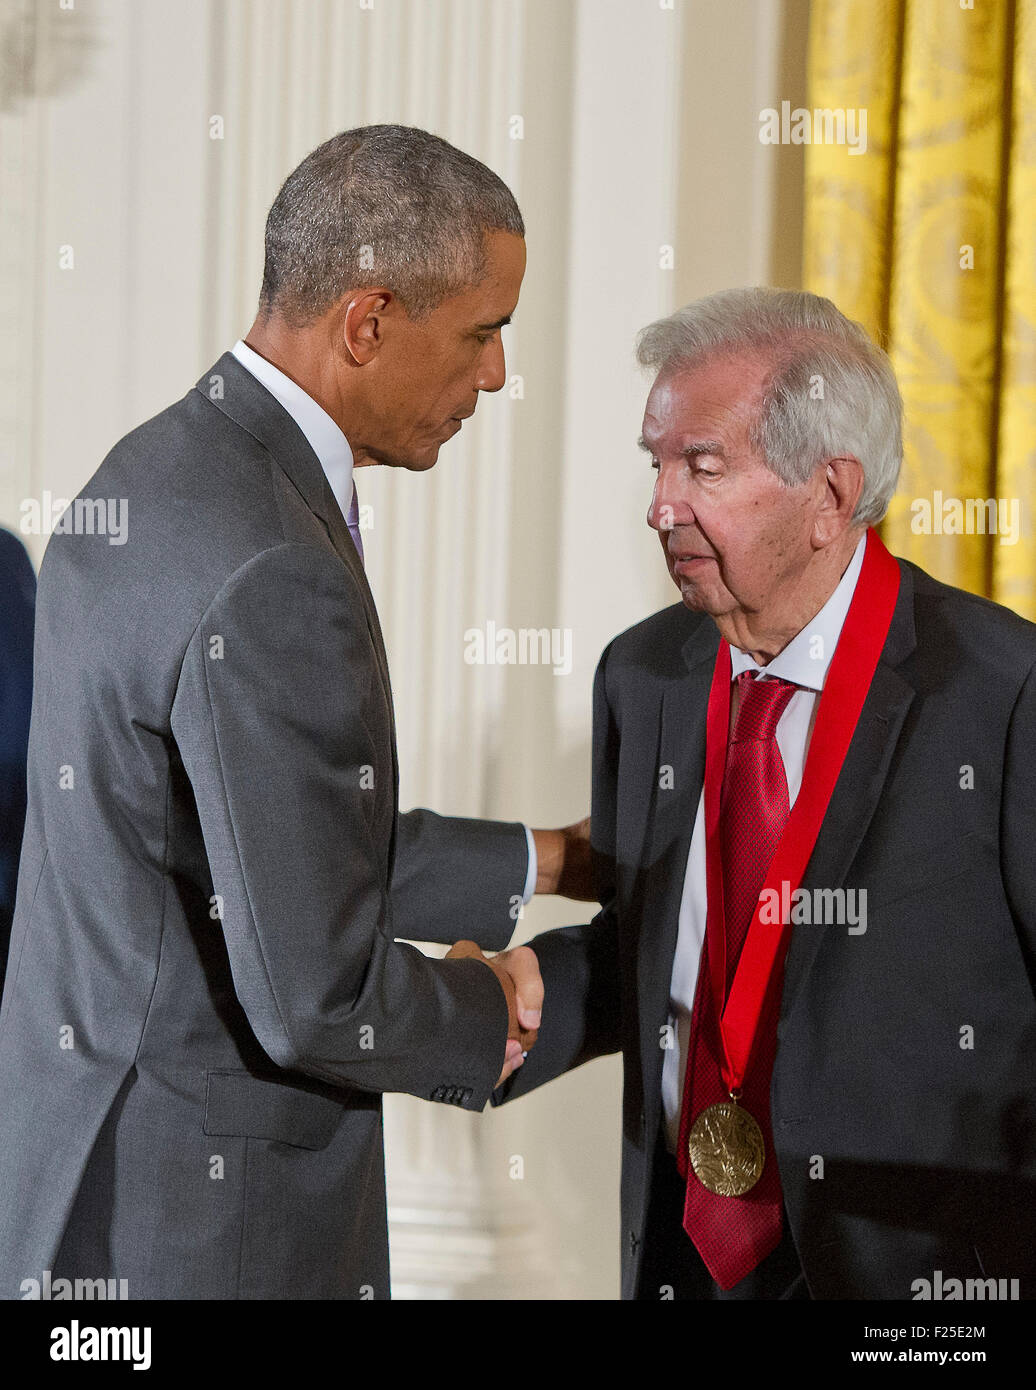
{"type": "Point", "coordinates": [205, 999]}
{"type": "Point", "coordinates": [927, 1133]}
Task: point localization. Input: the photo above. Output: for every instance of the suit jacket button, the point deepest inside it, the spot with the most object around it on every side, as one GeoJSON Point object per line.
{"type": "Point", "coordinates": [634, 1242]}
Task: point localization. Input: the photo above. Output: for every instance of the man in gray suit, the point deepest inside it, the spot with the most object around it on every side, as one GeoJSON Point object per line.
{"type": "Point", "coordinates": [206, 998]}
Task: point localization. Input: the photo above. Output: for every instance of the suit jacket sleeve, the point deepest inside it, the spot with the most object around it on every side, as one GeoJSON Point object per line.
{"type": "Point", "coordinates": [279, 716]}
{"type": "Point", "coordinates": [1018, 816]}
{"type": "Point", "coordinates": [580, 965]}
{"type": "Point", "coordinates": [18, 587]}
{"type": "Point", "coordinates": [456, 879]}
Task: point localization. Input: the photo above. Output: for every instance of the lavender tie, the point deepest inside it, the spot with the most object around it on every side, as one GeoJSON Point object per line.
{"type": "Point", "coordinates": [353, 523]}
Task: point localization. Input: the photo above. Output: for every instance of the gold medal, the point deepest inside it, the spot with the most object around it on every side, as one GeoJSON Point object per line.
{"type": "Point", "coordinates": [726, 1149]}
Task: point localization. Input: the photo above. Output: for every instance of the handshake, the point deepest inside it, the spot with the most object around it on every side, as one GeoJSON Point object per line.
{"type": "Point", "coordinates": [563, 866]}
{"type": "Point", "coordinates": [518, 971]}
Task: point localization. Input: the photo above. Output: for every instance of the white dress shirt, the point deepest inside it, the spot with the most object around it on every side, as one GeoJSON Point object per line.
{"type": "Point", "coordinates": [804, 661]}
{"type": "Point", "coordinates": [325, 438]}
{"type": "Point", "coordinates": [336, 459]}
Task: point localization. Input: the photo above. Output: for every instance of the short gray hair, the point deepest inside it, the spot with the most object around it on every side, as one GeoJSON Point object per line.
{"type": "Point", "coordinates": [814, 347]}
{"type": "Point", "coordinates": [381, 205]}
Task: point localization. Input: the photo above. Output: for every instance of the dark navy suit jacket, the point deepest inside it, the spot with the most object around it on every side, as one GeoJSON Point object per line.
{"type": "Point", "coordinates": [905, 1055]}
{"type": "Point", "coordinates": [17, 606]}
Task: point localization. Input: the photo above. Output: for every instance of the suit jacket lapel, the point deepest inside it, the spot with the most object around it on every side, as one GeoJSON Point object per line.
{"type": "Point", "coordinates": [338, 530]}
{"type": "Point", "coordinates": [681, 747]}
{"type": "Point", "coordinates": [860, 783]}
{"type": "Point", "coordinates": [232, 387]}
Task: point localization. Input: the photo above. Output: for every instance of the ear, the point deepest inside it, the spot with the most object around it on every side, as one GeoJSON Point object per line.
{"type": "Point", "coordinates": [843, 485]}
{"type": "Point", "coordinates": [363, 321]}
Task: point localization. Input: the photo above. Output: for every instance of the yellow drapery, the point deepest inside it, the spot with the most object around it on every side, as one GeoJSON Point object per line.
{"type": "Point", "coordinates": [929, 239]}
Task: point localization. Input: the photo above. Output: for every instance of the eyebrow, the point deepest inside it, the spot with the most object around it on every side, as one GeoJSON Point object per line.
{"type": "Point", "coordinates": [492, 327]}
{"type": "Point", "coordinates": [699, 447]}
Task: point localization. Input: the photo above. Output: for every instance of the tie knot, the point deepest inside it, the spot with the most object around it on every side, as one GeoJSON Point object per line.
{"type": "Point", "coordinates": [762, 702]}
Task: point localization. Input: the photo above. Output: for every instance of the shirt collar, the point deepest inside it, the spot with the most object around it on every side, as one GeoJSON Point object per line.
{"type": "Point", "coordinates": [325, 438]}
{"type": "Point", "coordinates": [804, 661]}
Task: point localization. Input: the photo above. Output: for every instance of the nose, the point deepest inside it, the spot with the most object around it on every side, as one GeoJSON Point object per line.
{"type": "Point", "coordinates": [492, 372]}
{"type": "Point", "coordinates": [668, 508]}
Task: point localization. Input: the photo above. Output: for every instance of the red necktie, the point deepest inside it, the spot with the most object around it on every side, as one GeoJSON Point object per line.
{"type": "Point", "coordinates": [733, 1234]}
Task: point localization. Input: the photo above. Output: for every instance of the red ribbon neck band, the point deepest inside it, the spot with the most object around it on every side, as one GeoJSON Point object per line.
{"type": "Point", "coordinates": [848, 679]}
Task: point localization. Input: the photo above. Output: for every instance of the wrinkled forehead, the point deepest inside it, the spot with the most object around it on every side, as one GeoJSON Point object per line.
{"type": "Point", "coordinates": [718, 397]}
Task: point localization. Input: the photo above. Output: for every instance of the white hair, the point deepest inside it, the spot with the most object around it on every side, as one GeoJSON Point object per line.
{"type": "Point", "coordinates": [832, 390]}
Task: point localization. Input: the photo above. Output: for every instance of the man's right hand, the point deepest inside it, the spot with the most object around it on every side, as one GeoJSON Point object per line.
{"type": "Point", "coordinates": [518, 972]}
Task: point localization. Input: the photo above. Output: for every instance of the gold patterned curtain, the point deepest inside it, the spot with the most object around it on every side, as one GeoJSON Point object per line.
{"type": "Point", "coordinates": [929, 239]}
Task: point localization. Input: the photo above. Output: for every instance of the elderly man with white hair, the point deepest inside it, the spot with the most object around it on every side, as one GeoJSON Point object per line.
{"type": "Point", "coordinates": [813, 816]}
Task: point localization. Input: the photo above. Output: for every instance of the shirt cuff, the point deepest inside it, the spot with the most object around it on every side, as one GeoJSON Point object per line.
{"type": "Point", "coordinates": [530, 877]}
